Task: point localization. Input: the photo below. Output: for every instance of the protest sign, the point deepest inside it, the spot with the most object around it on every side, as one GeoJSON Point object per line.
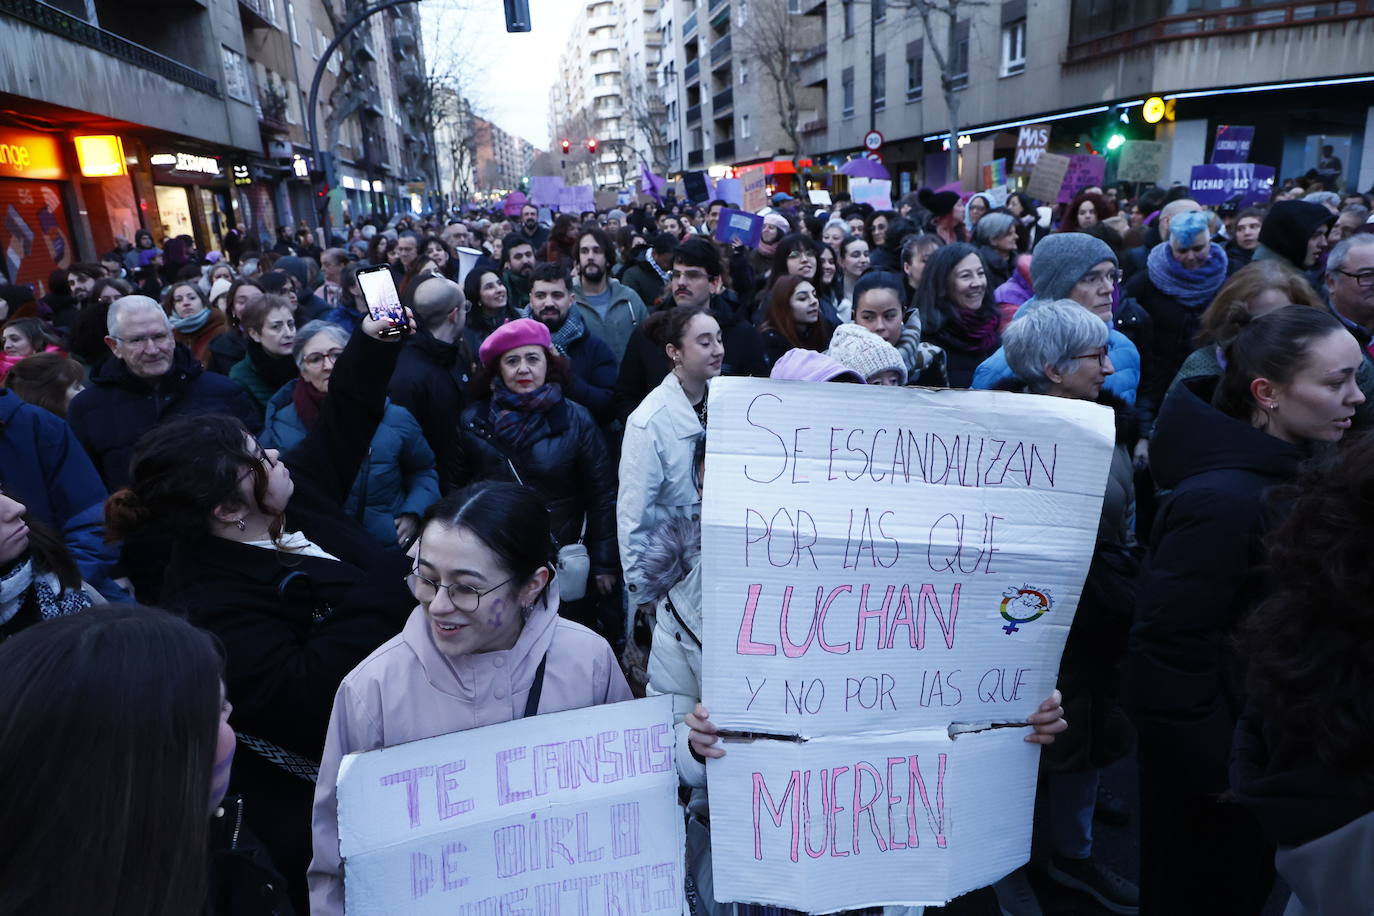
{"type": "Point", "coordinates": [697, 186]}
{"type": "Point", "coordinates": [994, 173]}
{"type": "Point", "coordinates": [876, 192]}
{"type": "Point", "coordinates": [576, 199]}
{"type": "Point", "coordinates": [755, 185]}
{"type": "Point", "coordinates": [1030, 145]}
{"type": "Point", "coordinates": [1083, 172]}
{"type": "Point", "coordinates": [572, 811]}
{"type": "Point", "coordinates": [731, 191]}
{"type": "Point", "coordinates": [882, 564]}
{"type": "Point", "coordinates": [1142, 160]}
{"type": "Point", "coordinates": [609, 200]}
{"type": "Point", "coordinates": [820, 197]}
{"type": "Point", "coordinates": [545, 190]}
{"type": "Point", "coordinates": [737, 226]}
{"type": "Point", "coordinates": [1242, 183]}
{"type": "Point", "coordinates": [1232, 144]}
{"type": "Point", "coordinates": [1047, 177]}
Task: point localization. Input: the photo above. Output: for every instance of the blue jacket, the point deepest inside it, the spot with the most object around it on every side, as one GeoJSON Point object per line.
{"type": "Point", "coordinates": [398, 471]}
{"type": "Point", "coordinates": [43, 466]}
{"type": "Point", "coordinates": [1122, 383]}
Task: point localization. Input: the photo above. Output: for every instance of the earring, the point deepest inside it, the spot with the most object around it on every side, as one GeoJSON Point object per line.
{"type": "Point", "coordinates": [239, 522]}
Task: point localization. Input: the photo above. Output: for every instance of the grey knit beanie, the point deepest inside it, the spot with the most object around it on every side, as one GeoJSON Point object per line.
{"type": "Point", "coordinates": [858, 348]}
{"type": "Point", "coordinates": [1061, 260]}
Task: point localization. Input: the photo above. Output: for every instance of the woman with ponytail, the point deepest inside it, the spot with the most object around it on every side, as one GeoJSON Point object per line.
{"type": "Point", "coordinates": [1220, 445]}
{"type": "Point", "coordinates": [266, 559]}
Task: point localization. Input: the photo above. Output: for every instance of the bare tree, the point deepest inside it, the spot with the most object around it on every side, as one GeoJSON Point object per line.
{"type": "Point", "coordinates": [645, 114]}
{"type": "Point", "coordinates": [773, 39]}
{"type": "Point", "coordinates": [952, 59]}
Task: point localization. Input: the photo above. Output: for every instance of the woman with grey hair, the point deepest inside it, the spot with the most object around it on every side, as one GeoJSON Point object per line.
{"type": "Point", "coordinates": [397, 481]}
{"type": "Point", "coordinates": [995, 236]}
{"type": "Point", "coordinates": [1059, 348]}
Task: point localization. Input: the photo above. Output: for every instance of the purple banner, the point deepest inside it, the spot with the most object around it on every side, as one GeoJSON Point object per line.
{"type": "Point", "coordinates": [1084, 172]}
{"type": "Point", "coordinates": [737, 226]}
{"type": "Point", "coordinates": [1232, 144]}
{"type": "Point", "coordinates": [1243, 184]}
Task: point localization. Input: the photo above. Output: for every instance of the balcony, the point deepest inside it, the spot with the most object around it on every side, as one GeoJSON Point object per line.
{"type": "Point", "coordinates": [811, 66]}
{"type": "Point", "coordinates": [716, 5]}
{"type": "Point", "coordinates": [808, 7]}
{"type": "Point", "coordinates": [692, 71]}
{"type": "Point", "coordinates": [720, 14]}
{"type": "Point", "coordinates": [693, 113]}
{"type": "Point", "coordinates": [722, 102]}
{"type": "Point", "coordinates": [695, 157]}
{"type": "Point", "coordinates": [1217, 23]}
{"type": "Point", "coordinates": [689, 26]}
{"type": "Point", "coordinates": [817, 126]}
{"type": "Point", "coordinates": [720, 51]}
{"type": "Point", "coordinates": [51, 19]}
{"type": "Point", "coordinates": [725, 151]}
{"type": "Point", "coordinates": [257, 14]}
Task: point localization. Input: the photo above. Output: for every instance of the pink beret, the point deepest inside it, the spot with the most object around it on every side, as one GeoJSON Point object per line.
{"type": "Point", "coordinates": [522, 332]}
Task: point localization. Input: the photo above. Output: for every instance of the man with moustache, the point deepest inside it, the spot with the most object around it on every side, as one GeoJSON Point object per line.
{"type": "Point", "coordinates": [594, 366]}
{"type": "Point", "coordinates": [517, 259]}
{"type": "Point", "coordinates": [610, 309]}
{"type": "Point", "coordinates": [530, 230]}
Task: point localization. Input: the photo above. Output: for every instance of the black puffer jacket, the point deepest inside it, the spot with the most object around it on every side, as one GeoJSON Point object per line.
{"type": "Point", "coordinates": [1182, 676]}
{"type": "Point", "coordinates": [429, 380]}
{"type": "Point", "coordinates": [567, 462]}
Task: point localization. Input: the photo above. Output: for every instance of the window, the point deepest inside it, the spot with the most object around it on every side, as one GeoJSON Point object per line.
{"type": "Point", "coordinates": [958, 64]}
{"type": "Point", "coordinates": [743, 73]}
{"type": "Point", "coordinates": [847, 90]}
{"type": "Point", "coordinates": [1014, 47]}
{"type": "Point", "coordinates": [915, 65]}
{"type": "Point", "coordinates": [235, 77]}
{"type": "Point", "coordinates": [880, 81]}
{"type": "Point", "coordinates": [879, 10]}
{"type": "Point", "coordinates": [745, 130]}
{"type": "Point", "coordinates": [743, 13]}
{"type": "Point", "coordinates": [848, 18]}
{"type": "Point", "coordinates": [291, 23]}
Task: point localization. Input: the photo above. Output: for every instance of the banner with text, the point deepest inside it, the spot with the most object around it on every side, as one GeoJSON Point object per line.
{"type": "Point", "coordinates": [1232, 143]}
{"type": "Point", "coordinates": [1142, 160]}
{"type": "Point", "coordinates": [877, 586]}
{"type": "Point", "coordinates": [1084, 171]}
{"type": "Point", "coordinates": [754, 184]}
{"type": "Point", "coordinates": [1047, 177]}
{"type": "Point", "coordinates": [1030, 145]}
{"type": "Point", "coordinates": [571, 811]}
{"type": "Point", "coordinates": [1243, 184]}
{"type": "Point", "coordinates": [546, 190]}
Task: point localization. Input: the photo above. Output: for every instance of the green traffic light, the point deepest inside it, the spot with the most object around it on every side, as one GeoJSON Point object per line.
{"type": "Point", "coordinates": [1115, 141]}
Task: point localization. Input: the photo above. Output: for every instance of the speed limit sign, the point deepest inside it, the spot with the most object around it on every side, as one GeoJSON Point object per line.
{"type": "Point", "coordinates": [873, 140]}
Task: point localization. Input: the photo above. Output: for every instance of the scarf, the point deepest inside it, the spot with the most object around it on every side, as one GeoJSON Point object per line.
{"type": "Point", "coordinates": [970, 332]}
{"type": "Point", "coordinates": [274, 371]}
{"type": "Point", "coordinates": [26, 578]}
{"type": "Point", "coordinates": [307, 400]}
{"type": "Point", "coordinates": [570, 333]}
{"type": "Point", "coordinates": [1193, 289]}
{"type": "Point", "coordinates": [515, 418]}
{"type": "Point", "coordinates": [191, 323]}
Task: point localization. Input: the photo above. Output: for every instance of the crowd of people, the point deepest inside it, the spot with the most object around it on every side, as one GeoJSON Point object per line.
{"type": "Point", "coordinates": [246, 530]}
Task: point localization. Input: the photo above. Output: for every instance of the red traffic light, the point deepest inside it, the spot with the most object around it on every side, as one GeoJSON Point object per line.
{"type": "Point", "coordinates": [591, 146]}
{"type": "Point", "coordinates": [567, 146]}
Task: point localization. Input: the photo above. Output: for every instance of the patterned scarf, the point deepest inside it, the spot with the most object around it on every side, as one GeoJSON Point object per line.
{"type": "Point", "coordinates": [1193, 289]}
{"type": "Point", "coordinates": [970, 332]}
{"type": "Point", "coordinates": [570, 333]}
{"type": "Point", "coordinates": [28, 577]}
{"type": "Point", "coordinates": [516, 418]}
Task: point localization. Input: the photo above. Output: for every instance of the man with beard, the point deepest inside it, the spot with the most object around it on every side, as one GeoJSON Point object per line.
{"type": "Point", "coordinates": [530, 230]}
{"type": "Point", "coordinates": [81, 278]}
{"type": "Point", "coordinates": [610, 309]}
{"type": "Point", "coordinates": [594, 366]}
{"type": "Point", "coordinates": [517, 257]}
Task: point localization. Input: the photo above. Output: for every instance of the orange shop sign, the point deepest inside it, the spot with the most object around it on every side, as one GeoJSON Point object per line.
{"type": "Point", "coordinates": [29, 155]}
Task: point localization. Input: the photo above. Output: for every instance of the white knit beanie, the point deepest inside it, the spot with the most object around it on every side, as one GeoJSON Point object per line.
{"type": "Point", "coordinates": [866, 353]}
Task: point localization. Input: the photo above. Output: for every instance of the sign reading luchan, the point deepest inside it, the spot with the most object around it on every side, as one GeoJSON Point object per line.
{"type": "Point", "coordinates": [29, 155]}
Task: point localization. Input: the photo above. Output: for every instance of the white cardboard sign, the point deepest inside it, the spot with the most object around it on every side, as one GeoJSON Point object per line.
{"type": "Point", "coordinates": [885, 563]}
{"type": "Point", "coordinates": [573, 811]}
{"type": "Point", "coordinates": [876, 192]}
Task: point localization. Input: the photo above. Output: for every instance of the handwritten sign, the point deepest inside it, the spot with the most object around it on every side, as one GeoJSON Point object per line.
{"type": "Point", "coordinates": [737, 226]}
{"type": "Point", "coordinates": [755, 185]}
{"type": "Point", "coordinates": [1030, 145]}
{"type": "Point", "coordinates": [1241, 183]}
{"type": "Point", "coordinates": [1142, 160]}
{"type": "Point", "coordinates": [876, 192]}
{"type": "Point", "coordinates": [1047, 177]}
{"type": "Point", "coordinates": [1232, 143]}
{"type": "Point", "coordinates": [885, 562]}
{"type": "Point", "coordinates": [573, 812]}
{"type": "Point", "coordinates": [546, 190]}
{"type": "Point", "coordinates": [1083, 172]}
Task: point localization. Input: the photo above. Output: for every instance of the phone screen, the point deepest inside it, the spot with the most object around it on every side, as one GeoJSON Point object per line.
{"type": "Point", "coordinates": [379, 292]}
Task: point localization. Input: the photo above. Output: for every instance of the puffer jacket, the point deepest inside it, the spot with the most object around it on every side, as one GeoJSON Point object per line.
{"type": "Point", "coordinates": [566, 461]}
{"type": "Point", "coordinates": [397, 477]}
{"type": "Point", "coordinates": [406, 690]}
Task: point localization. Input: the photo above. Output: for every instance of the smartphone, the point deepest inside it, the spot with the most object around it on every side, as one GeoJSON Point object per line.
{"type": "Point", "coordinates": [382, 299]}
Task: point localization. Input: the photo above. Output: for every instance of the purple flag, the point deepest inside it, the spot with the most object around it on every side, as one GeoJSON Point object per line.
{"type": "Point", "coordinates": [651, 184]}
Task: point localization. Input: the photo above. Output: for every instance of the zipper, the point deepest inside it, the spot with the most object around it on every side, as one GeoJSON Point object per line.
{"type": "Point", "coordinates": [238, 823]}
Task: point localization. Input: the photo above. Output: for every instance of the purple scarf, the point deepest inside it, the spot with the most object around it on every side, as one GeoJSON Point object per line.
{"type": "Point", "coordinates": [515, 418]}
{"type": "Point", "coordinates": [978, 331]}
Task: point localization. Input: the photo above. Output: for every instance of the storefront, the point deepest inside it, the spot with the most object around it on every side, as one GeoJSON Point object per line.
{"type": "Point", "coordinates": [193, 196]}
{"type": "Point", "coordinates": [36, 202]}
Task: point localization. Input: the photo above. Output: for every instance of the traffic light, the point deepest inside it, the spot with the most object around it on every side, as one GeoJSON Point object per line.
{"type": "Point", "coordinates": [567, 147]}
{"type": "Point", "coordinates": [517, 15]}
{"type": "Point", "coordinates": [591, 146]}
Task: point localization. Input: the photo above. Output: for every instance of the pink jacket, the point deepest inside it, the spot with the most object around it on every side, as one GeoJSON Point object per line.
{"type": "Point", "coordinates": [407, 690]}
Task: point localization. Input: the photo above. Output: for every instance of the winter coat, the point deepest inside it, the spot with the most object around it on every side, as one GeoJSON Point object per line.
{"type": "Point", "coordinates": [1174, 327]}
{"type": "Point", "coordinates": [259, 389]}
{"type": "Point", "coordinates": [429, 381]}
{"type": "Point", "coordinates": [406, 691]}
{"type": "Point", "coordinates": [225, 352]}
{"type": "Point", "coordinates": [656, 474]}
{"type": "Point", "coordinates": [999, 267]}
{"type": "Point", "coordinates": [1011, 295]}
{"type": "Point", "coordinates": [397, 477]}
{"type": "Point", "coordinates": [1237, 257]}
{"type": "Point", "coordinates": [199, 342]}
{"type": "Point", "coordinates": [244, 881]}
{"type": "Point", "coordinates": [645, 363]}
{"type": "Point", "coordinates": [1181, 673]}
{"type": "Point", "coordinates": [566, 461]}
{"type": "Point", "coordinates": [293, 625]}
{"type": "Point", "coordinates": [43, 466]}
{"type": "Point", "coordinates": [1287, 228]}
{"type": "Point", "coordinates": [1122, 383]}
{"type": "Point", "coordinates": [1321, 820]}
{"type": "Point", "coordinates": [644, 280]}
{"type": "Point", "coordinates": [624, 315]}
{"type": "Point", "coordinates": [595, 370]}
{"type": "Point", "coordinates": [118, 407]}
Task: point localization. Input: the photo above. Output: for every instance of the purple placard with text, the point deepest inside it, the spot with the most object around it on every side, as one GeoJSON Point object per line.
{"type": "Point", "coordinates": [738, 226]}
{"type": "Point", "coordinates": [1243, 183]}
{"type": "Point", "coordinates": [1084, 172]}
{"type": "Point", "coordinates": [1232, 144]}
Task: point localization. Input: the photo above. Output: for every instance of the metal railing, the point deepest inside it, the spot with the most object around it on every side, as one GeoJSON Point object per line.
{"type": "Point", "coordinates": [720, 50]}
{"type": "Point", "coordinates": [689, 25]}
{"type": "Point", "coordinates": [722, 101]}
{"type": "Point", "coordinates": [694, 157]}
{"type": "Point", "coordinates": [692, 70]}
{"type": "Point", "coordinates": [51, 19]}
{"type": "Point", "coordinates": [693, 113]}
{"type": "Point", "coordinates": [725, 150]}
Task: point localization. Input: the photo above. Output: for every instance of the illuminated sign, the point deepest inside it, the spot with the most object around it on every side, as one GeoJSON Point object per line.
{"type": "Point", "coordinates": [1157, 109]}
{"type": "Point", "coordinates": [378, 187]}
{"type": "Point", "coordinates": [100, 156]}
{"type": "Point", "coordinates": [241, 175]}
{"type": "Point", "coordinates": [348, 182]}
{"type": "Point", "coordinates": [25, 155]}
{"type": "Point", "coordinates": [300, 167]}
{"type": "Point", "coordinates": [188, 163]}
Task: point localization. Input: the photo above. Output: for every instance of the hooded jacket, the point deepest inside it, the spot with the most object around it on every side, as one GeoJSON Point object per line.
{"type": "Point", "coordinates": [1286, 230]}
{"type": "Point", "coordinates": [406, 690]}
{"type": "Point", "coordinates": [1181, 674]}
{"type": "Point", "coordinates": [429, 381]}
{"type": "Point", "coordinates": [624, 315]}
{"type": "Point", "coordinates": [119, 407]}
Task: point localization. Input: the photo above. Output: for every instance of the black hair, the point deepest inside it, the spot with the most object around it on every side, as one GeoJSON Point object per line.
{"type": "Point", "coordinates": [880, 279]}
{"type": "Point", "coordinates": [512, 520]}
{"type": "Point", "coordinates": [472, 284]}
{"type": "Point", "coordinates": [668, 326]}
{"type": "Point", "coordinates": [699, 252]}
{"type": "Point", "coordinates": [137, 694]}
{"type": "Point", "coordinates": [512, 241]}
{"type": "Point", "coordinates": [1273, 346]}
{"type": "Point", "coordinates": [664, 243]}
{"type": "Point", "coordinates": [933, 298]}
{"type": "Point", "coordinates": [551, 272]}
{"type": "Point", "coordinates": [602, 239]}
{"type": "Point", "coordinates": [795, 241]}
{"type": "Point", "coordinates": [274, 282]}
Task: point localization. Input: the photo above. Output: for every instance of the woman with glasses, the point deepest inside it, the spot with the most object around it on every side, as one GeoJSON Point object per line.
{"type": "Point", "coordinates": [483, 645]}
{"type": "Point", "coordinates": [265, 557]}
{"type": "Point", "coordinates": [798, 255]}
{"type": "Point", "coordinates": [397, 482]}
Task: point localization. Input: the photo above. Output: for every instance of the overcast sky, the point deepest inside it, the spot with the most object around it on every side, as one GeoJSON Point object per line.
{"type": "Point", "coordinates": [511, 72]}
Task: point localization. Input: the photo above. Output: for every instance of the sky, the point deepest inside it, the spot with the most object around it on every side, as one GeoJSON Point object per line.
{"type": "Point", "coordinates": [510, 73]}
